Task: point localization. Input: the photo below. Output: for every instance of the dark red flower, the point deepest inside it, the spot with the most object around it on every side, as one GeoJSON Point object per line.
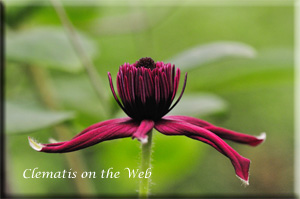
{"type": "Point", "coordinates": [147, 91]}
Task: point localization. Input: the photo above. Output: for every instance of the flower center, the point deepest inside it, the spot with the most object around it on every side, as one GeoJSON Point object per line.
{"type": "Point", "coordinates": [147, 89]}
{"type": "Point", "coordinates": [146, 62]}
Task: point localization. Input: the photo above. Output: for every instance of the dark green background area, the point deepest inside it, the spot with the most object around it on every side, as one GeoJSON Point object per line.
{"type": "Point", "coordinates": [259, 93]}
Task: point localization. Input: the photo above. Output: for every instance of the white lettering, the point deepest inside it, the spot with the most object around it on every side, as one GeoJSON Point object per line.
{"type": "Point", "coordinates": [25, 172]}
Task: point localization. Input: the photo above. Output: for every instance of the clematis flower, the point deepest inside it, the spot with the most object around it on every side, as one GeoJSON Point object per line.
{"type": "Point", "coordinates": [147, 92]}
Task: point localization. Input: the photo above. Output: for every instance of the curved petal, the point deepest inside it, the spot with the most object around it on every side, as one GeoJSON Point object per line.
{"type": "Point", "coordinates": [237, 137]}
{"type": "Point", "coordinates": [179, 127]}
{"type": "Point", "coordinates": [222, 132]}
{"type": "Point", "coordinates": [141, 134]}
{"type": "Point", "coordinates": [188, 119]}
{"type": "Point", "coordinates": [114, 93]}
{"type": "Point", "coordinates": [182, 91]}
{"type": "Point", "coordinates": [103, 123]}
{"type": "Point", "coordinates": [107, 130]}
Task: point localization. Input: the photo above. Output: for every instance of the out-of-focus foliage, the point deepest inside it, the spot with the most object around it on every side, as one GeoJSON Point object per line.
{"type": "Point", "coordinates": [203, 54]}
{"type": "Point", "coordinates": [199, 105]}
{"type": "Point", "coordinates": [252, 95]}
{"type": "Point", "coordinates": [46, 46]}
{"type": "Point", "coordinates": [25, 119]}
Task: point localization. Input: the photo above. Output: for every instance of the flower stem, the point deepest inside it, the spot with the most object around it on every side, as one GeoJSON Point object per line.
{"type": "Point", "coordinates": [146, 163]}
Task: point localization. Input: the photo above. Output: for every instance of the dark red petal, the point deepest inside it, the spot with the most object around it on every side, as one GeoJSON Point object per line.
{"type": "Point", "coordinates": [113, 92]}
{"type": "Point", "coordinates": [166, 85]}
{"type": "Point", "coordinates": [178, 127]}
{"type": "Point", "coordinates": [176, 83]}
{"type": "Point", "coordinates": [142, 90]}
{"type": "Point", "coordinates": [237, 137]}
{"type": "Point", "coordinates": [127, 90]}
{"type": "Point", "coordinates": [100, 124]}
{"type": "Point", "coordinates": [114, 130]}
{"type": "Point", "coordinates": [145, 127]}
{"type": "Point", "coordinates": [222, 132]}
{"type": "Point", "coordinates": [131, 86]}
{"type": "Point", "coordinates": [157, 90]}
{"type": "Point", "coordinates": [182, 91]}
{"type": "Point", "coordinates": [188, 119]}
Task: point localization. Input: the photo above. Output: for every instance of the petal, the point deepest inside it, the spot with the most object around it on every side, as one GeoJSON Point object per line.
{"type": "Point", "coordinates": [114, 93]}
{"type": "Point", "coordinates": [103, 123]}
{"type": "Point", "coordinates": [141, 134]}
{"type": "Point", "coordinates": [107, 130]}
{"type": "Point", "coordinates": [237, 137]}
{"type": "Point", "coordinates": [188, 119]}
{"type": "Point", "coordinates": [222, 132]}
{"type": "Point", "coordinates": [182, 91]}
{"type": "Point", "coordinates": [179, 127]}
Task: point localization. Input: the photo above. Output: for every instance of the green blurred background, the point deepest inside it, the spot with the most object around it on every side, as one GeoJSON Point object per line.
{"type": "Point", "coordinates": [244, 83]}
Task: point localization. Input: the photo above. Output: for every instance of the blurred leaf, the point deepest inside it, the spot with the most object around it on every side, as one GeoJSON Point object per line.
{"type": "Point", "coordinates": [271, 67]}
{"type": "Point", "coordinates": [199, 104]}
{"type": "Point", "coordinates": [89, 112]}
{"type": "Point", "coordinates": [46, 46]}
{"type": "Point", "coordinates": [203, 54]}
{"type": "Point", "coordinates": [20, 119]}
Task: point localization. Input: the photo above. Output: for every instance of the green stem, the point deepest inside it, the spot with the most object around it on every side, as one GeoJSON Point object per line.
{"type": "Point", "coordinates": [87, 63]}
{"type": "Point", "coordinates": [146, 163]}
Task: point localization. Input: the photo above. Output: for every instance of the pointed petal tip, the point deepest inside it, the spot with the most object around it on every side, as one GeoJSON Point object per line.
{"type": "Point", "coordinates": [244, 182]}
{"type": "Point", "coordinates": [141, 134]}
{"type": "Point", "coordinates": [36, 146]}
{"type": "Point", "coordinates": [244, 176]}
{"type": "Point", "coordinates": [142, 140]}
{"type": "Point", "coordinates": [262, 137]}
